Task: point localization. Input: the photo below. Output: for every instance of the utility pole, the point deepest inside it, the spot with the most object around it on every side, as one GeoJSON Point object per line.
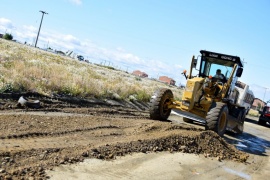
{"type": "Point", "coordinates": [43, 12]}
{"type": "Point", "coordinates": [264, 95]}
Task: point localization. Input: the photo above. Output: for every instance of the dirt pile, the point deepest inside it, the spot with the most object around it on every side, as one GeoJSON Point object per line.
{"type": "Point", "coordinates": [60, 132]}
{"type": "Point", "coordinates": [33, 163]}
{"type": "Point", "coordinates": [207, 143]}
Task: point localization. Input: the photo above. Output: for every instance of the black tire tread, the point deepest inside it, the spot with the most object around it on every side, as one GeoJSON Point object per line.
{"type": "Point", "coordinates": [242, 117]}
{"type": "Point", "coordinates": [155, 104]}
{"type": "Point", "coordinates": [213, 117]}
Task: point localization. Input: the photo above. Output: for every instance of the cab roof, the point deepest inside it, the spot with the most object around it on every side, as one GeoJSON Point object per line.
{"type": "Point", "coordinates": [224, 57]}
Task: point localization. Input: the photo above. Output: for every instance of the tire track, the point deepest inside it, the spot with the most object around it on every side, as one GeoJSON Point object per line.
{"type": "Point", "coordinates": [52, 134]}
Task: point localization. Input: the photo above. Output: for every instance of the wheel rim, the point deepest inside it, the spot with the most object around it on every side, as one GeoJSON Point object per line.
{"type": "Point", "coordinates": [222, 121]}
{"type": "Point", "coordinates": [165, 106]}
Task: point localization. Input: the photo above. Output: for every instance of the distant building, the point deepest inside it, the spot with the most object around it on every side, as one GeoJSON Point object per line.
{"type": "Point", "coordinates": [1, 35]}
{"type": "Point", "coordinates": [139, 73]}
{"type": "Point", "coordinates": [167, 80]}
{"type": "Point", "coordinates": [258, 104]}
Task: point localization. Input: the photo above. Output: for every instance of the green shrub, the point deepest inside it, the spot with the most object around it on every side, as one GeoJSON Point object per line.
{"type": "Point", "coordinates": [8, 36]}
{"type": "Point", "coordinates": [6, 88]}
{"type": "Point", "coordinates": [109, 67]}
{"type": "Point", "coordinates": [138, 78]}
{"type": "Point", "coordinates": [143, 96]}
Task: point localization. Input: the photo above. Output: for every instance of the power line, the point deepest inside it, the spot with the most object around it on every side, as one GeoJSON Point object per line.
{"type": "Point", "coordinates": [43, 12]}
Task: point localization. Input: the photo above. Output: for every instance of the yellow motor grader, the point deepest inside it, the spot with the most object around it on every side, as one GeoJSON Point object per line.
{"type": "Point", "coordinates": [207, 98]}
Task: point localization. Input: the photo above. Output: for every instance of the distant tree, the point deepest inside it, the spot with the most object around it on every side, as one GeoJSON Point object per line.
{"type": "Point", "coordinates": [8, 36]}
{"type": "Point", "coordinates": [259, 106]}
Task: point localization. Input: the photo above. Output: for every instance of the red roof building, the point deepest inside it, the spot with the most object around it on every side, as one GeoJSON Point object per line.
{"type": "Point", "coordinates": [258, 104]}
{"type": "Point", "coordinates": [167, 80]}
{"type": "Point", "coordinates": [139, 73]}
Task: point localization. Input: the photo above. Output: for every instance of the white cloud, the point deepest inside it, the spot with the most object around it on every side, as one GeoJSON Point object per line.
{"type": "Point", "coordinates": [77, 2]}
{"type": "Point", "coordinates": [30, 28]}
{"type": "Point", "coordinates": [95, 53]}
{"type": "Point", "coordinates": [179, 66]}
{"type": "Point", "coordinates": [6, 24]}
{"type": "Point", "coordinates": [71, 39]}
{"type": "Point", "coordinates": [260, 92]}
{"type": "Point", "coordinates": [120, 49]}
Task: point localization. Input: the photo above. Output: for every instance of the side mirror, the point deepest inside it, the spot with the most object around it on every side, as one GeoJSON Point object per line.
{"type": "Point", "coordinates": [184, 73]}
{"type": "Point", "coordinates": [239, 72]}
{"type": "Point", "coordinates": [194, 63]}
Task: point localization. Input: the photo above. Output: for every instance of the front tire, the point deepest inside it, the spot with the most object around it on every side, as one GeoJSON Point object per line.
{"type": "Point", "coordinates": [217, 118]}
{"type": "Point", "coordinates": [159, 104]}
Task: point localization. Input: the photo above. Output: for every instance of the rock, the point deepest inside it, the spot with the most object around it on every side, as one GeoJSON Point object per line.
{"type": "Point", "coordinates": [111, 156]}
{"type": "Point", "coordinates": [116, 96]}
{"type": "Point", "coordinates": [66, 158]}
{"type": "Point", "coordinates": [100, 156]}
{"type": "Point", "coordinates": [183, 147]}
{"type": "Point", "coordinates": [7, 158]}
{"type": "Point", "coordinates": [95, 150]}
{"type": "Point", "coordinates": [85, 154]}
{"type": "Point", "coordinates": [2, 171]}
{"type": "Point", "coordinates": [62, 162]}
{"type": "Point", "coordinates": [42, 156]}
{"type": "Point", "coordinates": [8, 177]}
{"type": "Point", "coordinates": [132, 98]}
{"type": "Point", "coordinates": [40, 169]}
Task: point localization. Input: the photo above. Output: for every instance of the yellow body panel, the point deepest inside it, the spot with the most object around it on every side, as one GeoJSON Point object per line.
{"type": "Point", "coordinates": [193, 85]}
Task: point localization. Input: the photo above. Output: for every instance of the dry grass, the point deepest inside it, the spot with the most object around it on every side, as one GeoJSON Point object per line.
{"type": "Point", "coordinates": [25, 68]}
{"type": "Point", "coordinates": [253, 113]}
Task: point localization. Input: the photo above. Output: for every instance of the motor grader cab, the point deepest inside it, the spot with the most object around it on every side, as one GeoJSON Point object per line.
{"type": "Point", "coordinates": [207, 98]}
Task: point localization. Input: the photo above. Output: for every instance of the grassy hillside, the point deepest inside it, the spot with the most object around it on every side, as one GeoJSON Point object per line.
{"type": "Point", "coordinates": [25, 68]}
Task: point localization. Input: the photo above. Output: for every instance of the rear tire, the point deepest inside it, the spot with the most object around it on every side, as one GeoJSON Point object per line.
{"type": "Point", "coordinates": [159, 104]}
{"type": "Point", "coordinates": [241, 118]}
{"type": "Point", "coordinates": [217, 118]}
{"type": "Point", "coordinates": [187, 120]}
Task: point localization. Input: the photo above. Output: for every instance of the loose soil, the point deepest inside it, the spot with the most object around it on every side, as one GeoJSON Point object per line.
{"type": "Point", "coordinates": [68, 130]}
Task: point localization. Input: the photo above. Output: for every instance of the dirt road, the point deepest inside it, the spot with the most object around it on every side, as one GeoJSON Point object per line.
{"type": "Point", "coordinates": [165, 165]}
{"type": "Point", "coordinates": [36, 143]}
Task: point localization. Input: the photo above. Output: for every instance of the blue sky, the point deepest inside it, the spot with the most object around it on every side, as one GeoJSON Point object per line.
{"type": "Point", "coordinates": [155, 36]}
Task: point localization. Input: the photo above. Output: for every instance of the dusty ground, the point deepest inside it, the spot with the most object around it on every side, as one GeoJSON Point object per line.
{"type": "Point", "coordinates": [67, 131]}
{"type": "Point", "coordinates": [178, 165]}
